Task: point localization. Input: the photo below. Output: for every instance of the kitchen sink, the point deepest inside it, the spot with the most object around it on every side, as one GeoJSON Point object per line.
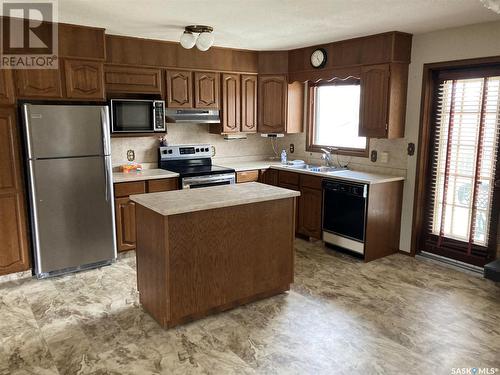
{"type": "Point", "coordinates": [316, 168]}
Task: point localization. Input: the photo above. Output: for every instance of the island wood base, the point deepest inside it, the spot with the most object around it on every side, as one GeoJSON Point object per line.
{"type": "Point", "coordinates": [194, 264]}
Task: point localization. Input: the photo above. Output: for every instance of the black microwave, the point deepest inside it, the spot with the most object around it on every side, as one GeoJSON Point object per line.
{"type": "Point", "coordinates": [137, 116]}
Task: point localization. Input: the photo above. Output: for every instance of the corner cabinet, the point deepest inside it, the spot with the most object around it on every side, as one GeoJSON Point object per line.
{"type": "Point", "coordinates": [14, 254]}
{"type": "Point", "coordinates": [383, 100]}
{"type": "Point", "coordinates": [281, 105]}
{"type": "Point", "coordinates": [84, 79]}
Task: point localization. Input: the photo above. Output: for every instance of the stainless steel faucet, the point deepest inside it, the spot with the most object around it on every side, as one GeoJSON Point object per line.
{"type": "Point", "coordinates": [327, 155]}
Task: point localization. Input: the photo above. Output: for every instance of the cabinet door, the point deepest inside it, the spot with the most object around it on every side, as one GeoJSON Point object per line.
{"type": "Point", "coordinates": [374, 101]}
{"type": "Point", "coordinates": [179, 89]}
{"type": "Point", "coordinates": [206, 90]}
{"type": "Point", "coordinates": [231, 103]}
{"type": "Point", "coordinates": [126, 79]}
{"type": "Point", "coordinates": [248, 103]}
{"type": "Point", "coordinates": [13, 229]}
{"type": "Point", "coordinates": [310, 205]}
{"type": "Point", "coordinates": [84, 79]}
{"type": "Point", "coordinates": [6, 87]}
{"type": "Point", "coordinates": [247, 176]}
{"type": "Point", "coordinates": [38, 83]}
{"type": "Point", "coordinates": [272, 104]}
{"type": "Point", "coordinates": [125, 224]}
{"type": "Point", "coordinates": [269, 177]}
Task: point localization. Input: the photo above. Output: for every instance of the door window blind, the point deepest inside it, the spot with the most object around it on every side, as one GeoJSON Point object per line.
{"type": "Point", "coordinates": [464, 161]}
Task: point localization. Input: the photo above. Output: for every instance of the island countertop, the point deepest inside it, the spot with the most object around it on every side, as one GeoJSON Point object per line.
{"type": "Point", "coordinates": [191, 200]}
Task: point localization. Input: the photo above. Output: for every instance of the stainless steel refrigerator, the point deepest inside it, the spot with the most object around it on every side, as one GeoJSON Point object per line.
{"type": "Point", "coordinates": [70, 187]}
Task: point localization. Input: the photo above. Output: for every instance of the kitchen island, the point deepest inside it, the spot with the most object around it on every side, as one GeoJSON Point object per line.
{"type": "Point", "coordinates": [201, 251]}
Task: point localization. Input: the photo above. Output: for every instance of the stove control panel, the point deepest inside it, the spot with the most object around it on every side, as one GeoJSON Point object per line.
{"type": "Point", "coordinates": [185, 152]}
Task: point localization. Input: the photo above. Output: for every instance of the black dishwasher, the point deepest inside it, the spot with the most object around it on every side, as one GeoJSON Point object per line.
{"type": "Point", "coordinates": [344, 214]}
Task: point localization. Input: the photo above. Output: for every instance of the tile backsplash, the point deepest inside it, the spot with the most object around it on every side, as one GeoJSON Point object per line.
{"type": "Point", "coordinates": [146, 148]}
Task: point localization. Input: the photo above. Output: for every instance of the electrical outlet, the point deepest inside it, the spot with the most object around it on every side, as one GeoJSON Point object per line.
{"type": "Point", "coordinates": [292, 148]}
{"type": "Point", "coordinates": [373, 156]}
{"type": "Point", "coordinates": [130, 155]}
{"type": "Point", "coordinates": [384, 157]}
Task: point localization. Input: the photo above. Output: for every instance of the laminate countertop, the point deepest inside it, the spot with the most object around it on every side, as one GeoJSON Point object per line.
{"type": "Point", "coordinates": [345, 175]}
{"type": "Point", "coordinates": [145, 174]}
{"type": "Point", "coordinates": [241, 166]}
{"type": "Point", "coordinates": [191, 200]}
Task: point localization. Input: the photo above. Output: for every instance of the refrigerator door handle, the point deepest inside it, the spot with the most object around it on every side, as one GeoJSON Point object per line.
{"type": "Point", "coordinates": [105, 130]}
{"type": "Point", "coordinates": [108, 179]}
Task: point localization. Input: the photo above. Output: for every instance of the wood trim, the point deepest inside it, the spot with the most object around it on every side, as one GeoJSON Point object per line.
{"type": "Point", "coordinates": [310, 120]}
{"type": "Point", "coordinates": [425, 132]}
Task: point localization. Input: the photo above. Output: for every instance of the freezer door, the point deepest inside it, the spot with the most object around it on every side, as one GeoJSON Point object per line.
{"type": "Point", "coordinates": [73, 212]}
{"type": "Point", "coordinates": [57, 131]}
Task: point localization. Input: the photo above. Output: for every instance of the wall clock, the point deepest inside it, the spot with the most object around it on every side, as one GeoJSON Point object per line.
{"type": "Point", "coordinates": [318, 58]}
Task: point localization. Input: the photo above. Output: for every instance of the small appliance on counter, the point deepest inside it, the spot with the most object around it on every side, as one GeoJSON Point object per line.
{"type": "Point", "coordinates": [70, 187]}
{"type": "Point", "coordinates": [194, 165]}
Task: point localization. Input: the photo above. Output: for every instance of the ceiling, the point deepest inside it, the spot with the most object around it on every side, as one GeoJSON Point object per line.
{"type": "Point", "coordinates": [273, 24]}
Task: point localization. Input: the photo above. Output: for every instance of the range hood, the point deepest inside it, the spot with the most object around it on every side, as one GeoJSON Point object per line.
{"type": "Point", "coordinates": [194, 116]}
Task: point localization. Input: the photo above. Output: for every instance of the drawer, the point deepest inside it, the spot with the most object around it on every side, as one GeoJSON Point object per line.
{"type": "Point", "coordinates": [124, 189]}
{"type": "Point", "coordinates": [289, 178]}
{"type": "Point", "coordinates": [312, 182]}
{"type": "Point", "coordinates": [164, 184]}
{"type": "Point", "coordinates": [247, 176]}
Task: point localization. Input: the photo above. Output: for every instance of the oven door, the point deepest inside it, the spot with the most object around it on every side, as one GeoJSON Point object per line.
{"type": "Point", "coordinates": [208, 180]}
{"type": "Point", "coordinates": [132, 116]}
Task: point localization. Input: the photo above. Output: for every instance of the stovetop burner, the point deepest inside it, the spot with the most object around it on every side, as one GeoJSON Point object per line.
{"type": "Point", "coordinates": [190, 160]}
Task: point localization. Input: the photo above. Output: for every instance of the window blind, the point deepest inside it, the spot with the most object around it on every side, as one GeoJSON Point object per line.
{"type": "Point", "coordinates": [464, 159]}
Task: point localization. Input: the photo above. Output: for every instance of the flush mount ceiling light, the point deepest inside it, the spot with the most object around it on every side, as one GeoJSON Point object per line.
{"type": "Point", "coordinates": [493, 5]}
{"type": "Point", "coordinates": [197, 34]}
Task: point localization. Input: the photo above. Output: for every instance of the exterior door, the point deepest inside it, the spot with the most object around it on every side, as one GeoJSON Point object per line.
{"type": "Point", "coordinates": [462, 201]}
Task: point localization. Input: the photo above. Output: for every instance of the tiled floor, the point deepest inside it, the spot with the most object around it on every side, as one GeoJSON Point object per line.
{"type": "Point", "coordinates": [396, 315]}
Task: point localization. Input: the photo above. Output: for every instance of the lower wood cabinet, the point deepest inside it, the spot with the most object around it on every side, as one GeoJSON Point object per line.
{"type": "Point", "coordinates": [14, 253]}
{"type": "Point", "coordinates": [125, 208]}
{"type": "Point", "coordinates": [269, 177]}
{"type": "Point", "coordinates": [309, 204]}
{"type": "Point", "coordinates": [247, 176]}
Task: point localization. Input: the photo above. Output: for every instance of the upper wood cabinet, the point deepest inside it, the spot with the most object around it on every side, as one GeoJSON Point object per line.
{"type": "Point", "coordinates": [206, 90]}
{"type": "Point", "coordinates": [13, 227]}
{"type": "Point", "coordinates": [272, 103]}
{"type": "Point", "coordinates": [248, 103]}
{"type": "Point", "coordinates": [231, 103]}
{"type": "Point", "coordinates": [383, 100]}
{"type": "Point", "coordinates": [6, 87]}
{"type": "Point", "coordinates": [38, 83]}
{"type": "Point", "coordinates": [281, 105]}
{"type": "Point", "coordinates": [84, 79]}
{"type": "Point", "coordinates": [129, 79]}
{"type": "Point", "coordinates": [179, 89]}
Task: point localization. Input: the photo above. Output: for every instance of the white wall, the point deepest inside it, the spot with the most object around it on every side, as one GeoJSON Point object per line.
{"type": "Point", "coordinates": [481, 40]}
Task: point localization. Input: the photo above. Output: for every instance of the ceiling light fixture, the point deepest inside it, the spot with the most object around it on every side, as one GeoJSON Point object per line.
{"type": "Point", "coordinates": [198, 35]}
{"type": "Point", "coordinates": [493, 5]}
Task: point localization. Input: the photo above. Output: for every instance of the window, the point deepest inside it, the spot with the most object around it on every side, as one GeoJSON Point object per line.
{"type": "Point", "coordinates": [334, 120]}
